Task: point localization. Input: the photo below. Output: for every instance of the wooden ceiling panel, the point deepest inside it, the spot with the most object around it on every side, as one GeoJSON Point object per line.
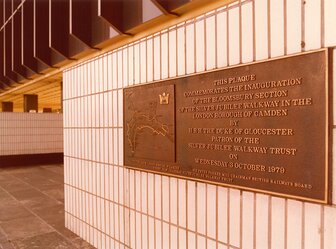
{"type": "Point", "coordinates": [17, 59]}
{"type": "Point", "coordinates": [7, 35]}
{"type": "Point", "coordinates": [6, 82]}
{"type": "Point", "coordinates": [61, 39]}
{"type": "Point", "coordinates": [41, 37]}
{"type": "Point", "coordinates": [169, 6]}
{"type": "Point", "coordinates": [27, 44]}
{"type": "Point", "coordinates": [49, 93]}
{"type": "Point", "coordinates": [122, 15]}
{"type": "Point", "coordinates": [8, 48]}
{"type": "Point", "coordinates": [89, 27]}
{"type": "Point", "coordinates": [42, 49]}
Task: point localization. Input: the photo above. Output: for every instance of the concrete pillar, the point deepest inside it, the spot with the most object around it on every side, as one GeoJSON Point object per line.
{"type": "Point", "coordinates": [46, 109]}
{"type": "Point", "coordinates": [30, 102]}
{"type": "Point", "coordinates": [7, 106]}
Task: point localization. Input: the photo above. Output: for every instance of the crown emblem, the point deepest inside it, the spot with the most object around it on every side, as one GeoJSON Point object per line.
{"type": "Point", "coordinates": [164, 98]}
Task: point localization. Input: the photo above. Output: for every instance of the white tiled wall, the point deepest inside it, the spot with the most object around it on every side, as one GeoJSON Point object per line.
{"type": "Point", "coordinates": [114, 207]}
{"type": "Point", "coordinates": [28, 133]}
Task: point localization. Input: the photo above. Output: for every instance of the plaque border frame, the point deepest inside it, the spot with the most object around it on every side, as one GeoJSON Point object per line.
{"type": "Point", "coordinates": [328, 129]}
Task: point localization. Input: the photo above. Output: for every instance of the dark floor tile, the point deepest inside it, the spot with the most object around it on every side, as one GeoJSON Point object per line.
{"type": "Point", "coordinates": [53, 185]}
{"type": "Point", "coordinates": [13, 210]}
{"type": "Point", "coordinates": [4, 195]}
{"type": "Point", "coordinates": [12, 185]}
{"type": "Point", "coordinates": [24, 227]}
{"type": "Point", "coordinates": [26, 194]}
{"type": "Point", "coordinates": [82, 244]}
{"type": "Point", "coordinates": [40, 178]}
{"type": "Point", "coordinates": [28, 177]}
{"type": "Point", "coordinates": [19, 168]}
{"type": "Point", "coordinates": [44, 241]}
{"type": "Point", "coordinates": [56, 210]}
{"type": "Point", "coordinates": [6, 245]}
{"type": "Point", "coordinates": [52, 175]}
{"type": "Point", "coordinates": [40, 202]}
{"type": "Point", "coordinates": [44, 184]}
{"type": "Point", "coordinates": [56, 192]}
{"type": "Point", "coordinates": [66, 232]}
{"type": "Point", "coordinates": [6, 201]}
{"type": "Point", "coordinates": [58, 169]}
{"type": "Point", "coordinates": [39, 189]}
{"type": "Point", "coordinates": [54, 216]}
{"type": "Point", "coordinates": [56, 179]}
{"type": "Point", "coordinates": [47, 174]}
{"type": "Point", "coordinates": [40, 169]}
{"type": "Point", "coordinates": [3, 236]}
{"type": "Point", "coordinates": [5, 176]}
{"type": "Point", "coordinates": [88, 247]}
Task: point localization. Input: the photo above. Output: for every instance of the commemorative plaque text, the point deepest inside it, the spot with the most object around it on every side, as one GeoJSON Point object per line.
{"type": "Point", "coordinates": [262, 126]}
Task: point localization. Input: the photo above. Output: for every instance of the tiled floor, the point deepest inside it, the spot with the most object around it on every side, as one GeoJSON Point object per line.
{"type": "Point", "coordinates": [32, 209]}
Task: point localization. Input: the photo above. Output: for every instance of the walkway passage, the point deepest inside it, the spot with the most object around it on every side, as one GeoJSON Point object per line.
{"type": "Point", "coordinates": [32, 209]}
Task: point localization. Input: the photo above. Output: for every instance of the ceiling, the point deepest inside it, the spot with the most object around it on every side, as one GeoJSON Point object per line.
{"type": "Point", "coordinates": [49, 93]}
{"type": "Point", "coordinates": [39, 39]}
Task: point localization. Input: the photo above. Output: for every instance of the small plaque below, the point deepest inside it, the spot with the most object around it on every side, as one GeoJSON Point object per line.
{"type": "Point", "coordinates": [260, 126]}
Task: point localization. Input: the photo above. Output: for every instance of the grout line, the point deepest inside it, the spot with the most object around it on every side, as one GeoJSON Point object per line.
{"type": "Point", "coordinates": [241, 207]}
{"type": "Point", "coordinates": [303, 25]}
{"type": "Point", "coordinates": [169, 213]}
{"type": "Point", "coordinates": [216, 217]}
{"type": "Point", "coordinates": [322, 24]}
{"type": "Point", "coordinates": [216, 39]}
{"type": "Point", "coordinates": [178, 212]}
{"type": "Point", "coordinates": [269, 45]}
{"type": "Point", "coordinates": [286, 225]}
{"type": "Point", "coordinates": [134, 209]}
{"type": "Point", "coordinates": [240, 34]}
{"type": "Point", "coordinates": [228, 215]}
{"type": "Point", "coordinates": [206, 214]}
{"type": "Point", "coordinates": [142, 212]}
{"type": "Point", "coordinates": [160, 44]}
{"type": "Point", "coordinates": [187, 220]}
{"type": "Point", "coordinates": [303, 226]}
{"type": "Point", "coordinates": [254, 221]}
{"type": "Point", "coordinates": [269, 203]}
{"type": "Point", "coordinates": [146, 58]}
{"type": "Point", "coordinates": [185, 40]}
{"type": "Point", "coordinates": [285, 25]}
{"type": "Point", "coordinates": [322, 229]}
{"type": "Point", "coordinates": [168, 54]}
{"type": "Point", "coordinates": [162, 220]}
{"type": "Point", "coordinates": [254, 30]}
{"type": "Point", "coordinates": [227, 38]}
{"type": "Point", "coordinates": [195, 53]}
{"type": "Point", "coordinates": [196, 212]}
{"type": "Point", "coordinates": [205, 45]}
{"type": "Point", "coordinates": [147, 211]}
{"type": "Point", "coordinates": [118, 147]}
{"type": "Point", "coordinates": [154, 211]}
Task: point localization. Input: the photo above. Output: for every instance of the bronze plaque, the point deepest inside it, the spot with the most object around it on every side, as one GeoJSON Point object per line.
{"type": "Point", "coordinates": [262, 126]}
